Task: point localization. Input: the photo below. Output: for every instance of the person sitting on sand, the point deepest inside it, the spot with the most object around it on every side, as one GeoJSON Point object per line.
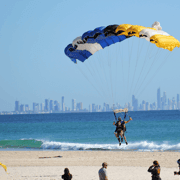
{"type": "Point", "coordinates": [177, 173]}
{"type": "Point", "coordinates": [155, 171]}
{"type": "Point", "coordinates": [102, 172]}
{"type": "Point", "coordinates": [120, 129]}
{"type": "Point", "coordinates": [66, 175]}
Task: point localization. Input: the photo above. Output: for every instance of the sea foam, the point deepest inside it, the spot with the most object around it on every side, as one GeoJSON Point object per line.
{"type": "Point", "coordinates": [137, 146]}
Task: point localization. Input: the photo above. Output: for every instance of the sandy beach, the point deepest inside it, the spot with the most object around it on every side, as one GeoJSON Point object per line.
{"type": "Point", "coordinates": [84, 165]}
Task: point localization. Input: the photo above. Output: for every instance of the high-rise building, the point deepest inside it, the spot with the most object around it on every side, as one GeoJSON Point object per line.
{"type": "Point", "coordinates": [147, 106]}
{"type": "Point", "coordinates": [27, 108]}
{"type": "Point", "coordinates": [46, 108]}
{"type": "Point", "coordinates": [73, 105]}
{"type": "Point", "coordinates": [42, 107]}
{"type": "Point", "coordinates": [90, 108]}
{"type": "Point", "coordinates": [22, 108]}
{"type": "Point", "coordinates": [63, 104]}
{"type": "Point", "coordinates": [57, 106]}
{"type": "Point", "coordinates": [35, 107]}
{"type": "Point", "coordinates": [158, 99]}
{"type": "Point", "coordinates": [51, 105]}
{"type": "Point", "coordinates": [134, 103]}
{"type": "Point", "coordinates": [17, 108]}
{"type": "Point", "coordinates": [93, 107]}
{"type": "Point", "coordinates": [164, 97]}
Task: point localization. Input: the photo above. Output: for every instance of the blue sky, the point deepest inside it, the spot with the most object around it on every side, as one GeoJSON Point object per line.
{"type": "Point", "coordinates": [34, 33]}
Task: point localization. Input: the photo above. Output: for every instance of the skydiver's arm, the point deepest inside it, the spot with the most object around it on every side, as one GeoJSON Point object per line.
{"type": "Point", "coordinates": [128, 120]}
{"type": "Point", "coordinates": [115, 116]}
{"type": "Point", "coordinates": [151, 169]}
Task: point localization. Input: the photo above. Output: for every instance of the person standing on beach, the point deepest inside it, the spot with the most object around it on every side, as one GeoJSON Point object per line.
{"type": "Point", "coordinates": [66, 175]}
{"type": "Point", "coordinates": [177, 173]}
{"type": "Point", "coordinates": [102, 172]}
{"type": "Point", "coordinates": [155, 171]}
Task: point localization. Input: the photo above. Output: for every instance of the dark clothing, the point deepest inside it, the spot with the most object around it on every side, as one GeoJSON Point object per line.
{"type": "Point", "coordinates": [67, 176]}
{"type": "Point", "coordinates": [119, 126]}
{"type": "Point", "coordinates": [155, 171]}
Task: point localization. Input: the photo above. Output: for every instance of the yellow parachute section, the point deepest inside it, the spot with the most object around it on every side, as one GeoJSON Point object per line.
{"type": "Point", "coordinates": [160, 38]}
{"type": "Point", "coordinates": [165, 42]}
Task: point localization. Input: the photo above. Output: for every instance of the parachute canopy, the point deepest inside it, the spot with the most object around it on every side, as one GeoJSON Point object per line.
{"type": "Point", "coordinates": [120, 110]}
{"type": "Point", "coordinates": [92, 41]}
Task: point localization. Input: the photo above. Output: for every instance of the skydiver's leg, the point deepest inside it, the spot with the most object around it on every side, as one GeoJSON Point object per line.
{"type": "Point", "coordinates": [118, 133]}
{"type": "Point", "coordinates": [125, 139]}
{"type": "Point", "coordinates": [122, 135]}
{"type": "Point", "coordinates": [115, 133]}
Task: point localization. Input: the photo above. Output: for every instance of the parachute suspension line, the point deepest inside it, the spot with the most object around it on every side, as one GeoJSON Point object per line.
{"type": "Point", "coordinates": [157, 53]}
{"type": "Point", "coordinates": [89, 81]}
{"type": "Point", "coordinates": [122, 64]}
{"type": "Point", "coordinates": [117, 47]}
{"type": "Point", "coordinates": [92, 74]}
{"type": "Point", "coordinates": [129, 64]}
{"type": "Point", "coordinates": [99, 75]}
{"type": "Point", "coordinates": [158, 69]}
{"type": "Point", "coordinates": [141, 69]}
{"type": "Point", "coordinates": [101, 66]}
{"type": "Point", "coordinates": [101, 57]}
{"type": "Point", "coordinates": [148, 57]}
{"type": "Point", "coordinates": [110, 72]}
{"type": "Point", "coordinates": [138, 56]}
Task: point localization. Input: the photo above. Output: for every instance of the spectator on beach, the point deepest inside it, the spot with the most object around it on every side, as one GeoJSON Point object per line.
{"type": "Point", "coordinates": [102, 172]}
{"type": "Point", "coordinates": [155, 171]}
{"type": "Point", "coordinates": [177, 173]}
{"type": "Point", "coordinates": [66, 175]}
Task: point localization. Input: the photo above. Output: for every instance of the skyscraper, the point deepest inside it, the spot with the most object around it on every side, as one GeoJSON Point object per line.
{"type": "Point", "coordinates": [158, 99]}
{"type": "Point", "coordinates": [46, 105]}
{"type": "Point", "coordinates": [134, 103]}
{"type": "Point", "coordinates": [51, 105]}
{"type": "Point", "coordinates": [42, 107]}
{"type": "Point", "coordinates": [22, 109]}
{"type": "Point", "coordinates": [17, 106]}
{"type": "Point", "coordinates": [27, 107]}
{"type": "Point", "coordinates": [73, 105]}
{"type": "Point", "coordinates": [90, 108]}
{"type": "Point", "coordinates": [56, 106]}
{"type": "Point", "coordinates": [35, 107]}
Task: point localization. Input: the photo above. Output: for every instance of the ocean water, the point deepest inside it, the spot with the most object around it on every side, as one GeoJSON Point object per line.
{"type": "Point", "coordinates": [148, 131]}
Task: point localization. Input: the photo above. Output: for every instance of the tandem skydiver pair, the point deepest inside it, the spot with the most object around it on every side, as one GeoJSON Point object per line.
{"type": "Point", "coordinates": [120, 126]}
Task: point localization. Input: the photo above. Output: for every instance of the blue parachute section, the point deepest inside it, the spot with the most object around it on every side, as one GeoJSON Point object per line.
{"type": "Point", "coordinates": [74, 54]}
{"type": "Point", "coordinates": [88, 39]}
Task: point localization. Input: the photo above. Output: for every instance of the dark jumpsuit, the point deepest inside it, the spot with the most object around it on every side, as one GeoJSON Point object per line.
{"type": "Point", "coordinates": [155, 171]}
{"type": "Point", "coordinates": [119, 128]}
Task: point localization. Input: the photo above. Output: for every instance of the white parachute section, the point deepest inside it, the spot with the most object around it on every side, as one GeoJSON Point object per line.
{"type": "Point", "coordinates": [91, 47]}
{"type": "Point", "coordinates": [148, 33]}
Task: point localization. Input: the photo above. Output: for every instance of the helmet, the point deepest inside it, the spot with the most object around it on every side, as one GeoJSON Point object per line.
{"type": "Point", "coordinates": [119, 118]}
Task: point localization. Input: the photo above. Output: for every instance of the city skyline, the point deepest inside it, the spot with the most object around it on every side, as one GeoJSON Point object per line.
{"type": "Point", "coordinates": [54, 106]}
